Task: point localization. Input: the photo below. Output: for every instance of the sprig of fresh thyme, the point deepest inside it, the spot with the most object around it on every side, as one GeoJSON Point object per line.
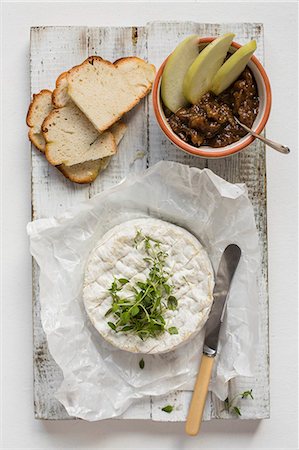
{"type": "Point", "coordinates": [230, 404]}
{"type": "Point", "coordinates": [168, 409]}
{"type": "Point", "coordinates": [142, 312]}
{"type": "Point", "coordinates": [141, 363]}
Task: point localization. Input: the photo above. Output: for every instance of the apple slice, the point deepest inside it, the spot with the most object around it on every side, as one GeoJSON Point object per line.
{"type": "Point", "coordinates": [199, 77]}
{"type": "Point", "coordinates": [232, 68]}
{"type": "Point", "coordinates": [174, 72]}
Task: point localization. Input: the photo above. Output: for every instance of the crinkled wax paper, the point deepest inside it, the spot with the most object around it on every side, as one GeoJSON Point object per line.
{"type": "Point", "coordinates": [99, 380]}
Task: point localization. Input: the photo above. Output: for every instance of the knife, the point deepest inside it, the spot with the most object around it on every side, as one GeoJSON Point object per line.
{"type": "Point", "coordinates": [227, 267]}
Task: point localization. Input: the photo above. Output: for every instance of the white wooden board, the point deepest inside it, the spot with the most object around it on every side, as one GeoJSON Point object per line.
{"type": "Point", "coordinates": [56, 49]}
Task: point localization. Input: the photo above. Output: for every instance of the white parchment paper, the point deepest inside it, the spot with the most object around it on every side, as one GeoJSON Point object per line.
{"type": "Point", "coordinates": [99, 380]}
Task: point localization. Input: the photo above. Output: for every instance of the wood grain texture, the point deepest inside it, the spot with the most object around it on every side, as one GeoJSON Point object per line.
{"type": "Point", "coordinates": [56, 49]}
{"type": "Point", "coordinates": [53, 50]}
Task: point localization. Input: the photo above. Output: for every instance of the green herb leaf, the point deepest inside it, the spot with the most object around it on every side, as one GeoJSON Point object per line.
{"type": "Point", "coordinates": [125, 317]}
{"type": "Point", "coordinates": [137, 238]}
{"type": "Point", "coordinates": [123, 280]}
{"type": "Point", "coordinates": [111, 325]}
{"type": "Point", "coordinates": [168, 409]}
{"type": "Point", "coordinates": [109, 312]}
{"type": "Point", "coordinates": [127, 328]}
{"type": "Point", "coordinates": [226, 404]}
{"type": "Point", "coordinates": [114, 307]}
{"type": "Point", "coordinates": [230, 404]}
{"type": "Point", "coordinates": [134, 311]}
{"type": "Point", "coordinates": [141, 285]}
{"type": "Point", "coordinates": [149, 260]}
{"type": "Point", "coordinates": [141, 363]}
{"type": "Point", "coordinates": [167, 288]}
{"type": "Point", "coordinates": [237, 411]}
{"type": "Point", "coordinates": [173, 330]}
{"type": "Point", "coordinates": [160, 319]}
{"type": "Point", "coordinates": [246, 394]}
{"type": "Point", "coordinates": [172, 303]}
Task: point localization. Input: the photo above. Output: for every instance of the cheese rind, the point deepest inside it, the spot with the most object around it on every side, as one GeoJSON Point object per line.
{"type": "Point", "coordinates": [116, 256]}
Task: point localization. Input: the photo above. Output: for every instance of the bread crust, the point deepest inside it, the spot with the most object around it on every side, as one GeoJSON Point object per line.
{"type": "Point", "coordinates": [35, 97]}
{"type": "Point", "coordinates": [125, 59]}
{"type": "Point", "coordinates": [29, 119]}
{"type": "Point", "coordinates": [61, 80]}
{"type": "Point", "coordinates": [35, 142]}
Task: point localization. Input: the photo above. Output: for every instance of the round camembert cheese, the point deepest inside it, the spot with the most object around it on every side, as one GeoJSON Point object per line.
{"type": "Point", "coordinates": [116, 256]}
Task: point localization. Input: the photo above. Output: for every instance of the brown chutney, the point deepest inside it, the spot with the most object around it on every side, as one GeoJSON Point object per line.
{"type": "Point", "coordinates": [211, 121]}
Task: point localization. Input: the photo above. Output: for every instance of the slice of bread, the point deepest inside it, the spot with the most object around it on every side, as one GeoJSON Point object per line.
{"type": "Point", "coordinates": [104, 91]}
{"type": "Point", "coordinates": [72, 139]}
{"type": "Point", "coordinates": [85, 172]}
{"type": "Point", "coordinates": [39, 109]}
{"type": "Point", "coordinates": [88, 171]}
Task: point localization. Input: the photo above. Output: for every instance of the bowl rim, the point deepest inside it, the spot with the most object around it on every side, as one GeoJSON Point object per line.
{"type": "Point", "coordinates": [215, 153]}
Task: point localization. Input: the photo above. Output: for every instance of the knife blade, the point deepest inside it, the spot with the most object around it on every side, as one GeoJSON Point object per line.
{"type": "Point", "coordinates": [226, 270]}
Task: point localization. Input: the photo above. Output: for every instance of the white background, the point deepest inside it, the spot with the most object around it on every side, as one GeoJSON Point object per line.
{"type": "Point", "coordinates": [19, 429]}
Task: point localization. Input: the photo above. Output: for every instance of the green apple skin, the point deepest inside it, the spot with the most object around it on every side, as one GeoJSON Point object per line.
{"type": "Point", "coordinates": [232, 68]}
{"type": "Point", "coordinates": [199, 77]}
{"type": "Point", "coordinates": [174, 72]}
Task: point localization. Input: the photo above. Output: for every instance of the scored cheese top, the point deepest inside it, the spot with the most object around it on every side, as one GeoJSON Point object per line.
{"type": "Point", "coordinates": [115, 256]}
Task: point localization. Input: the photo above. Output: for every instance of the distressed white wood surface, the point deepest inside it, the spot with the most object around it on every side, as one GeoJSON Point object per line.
{"type": "Point", "coordinates": [55, 49]}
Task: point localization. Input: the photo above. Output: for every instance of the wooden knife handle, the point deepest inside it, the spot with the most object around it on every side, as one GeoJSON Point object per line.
{"type": "Point", "coordinates": [199, 395]}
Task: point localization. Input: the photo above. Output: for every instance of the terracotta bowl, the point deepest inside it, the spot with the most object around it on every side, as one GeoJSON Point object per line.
{"type": "Point", "coordinates": [264, 93]}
